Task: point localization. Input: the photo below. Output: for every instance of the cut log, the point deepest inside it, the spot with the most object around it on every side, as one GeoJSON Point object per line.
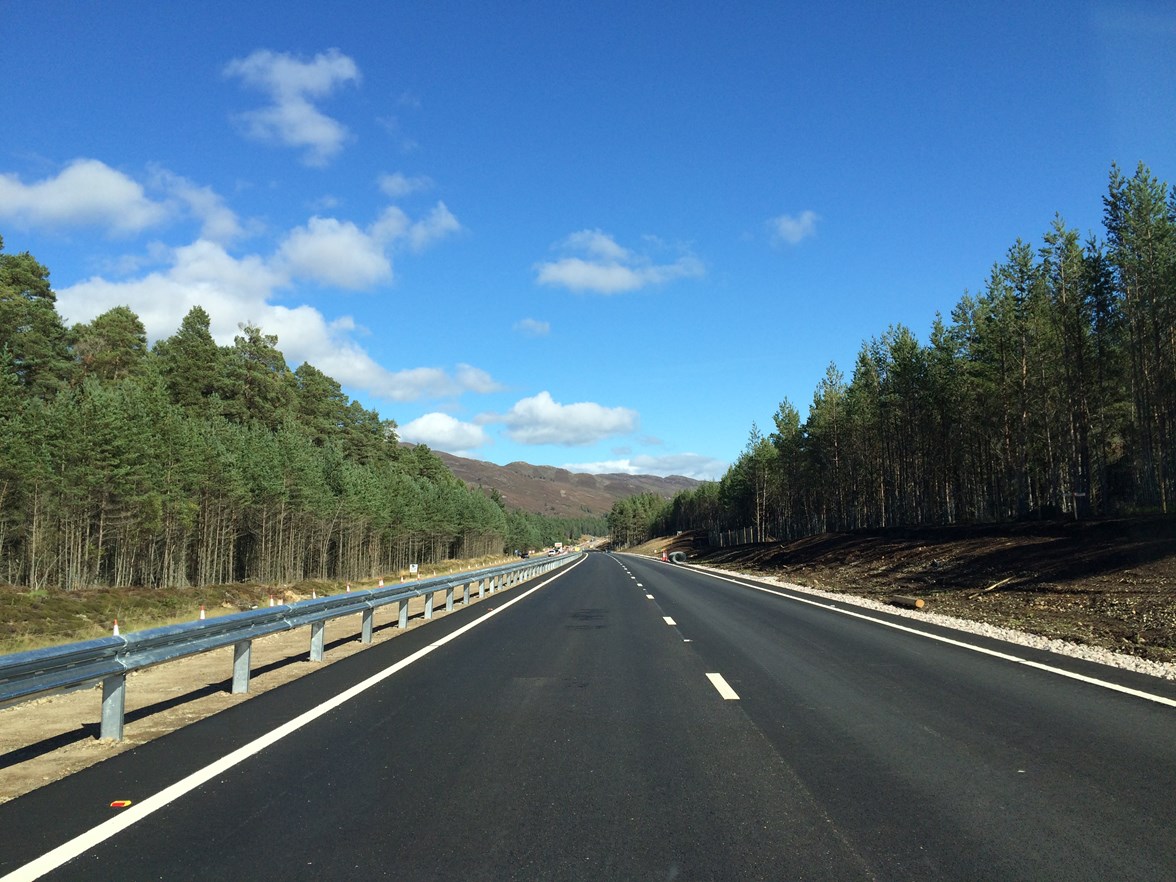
{"type": "Point", "coordinates": [908, 602]}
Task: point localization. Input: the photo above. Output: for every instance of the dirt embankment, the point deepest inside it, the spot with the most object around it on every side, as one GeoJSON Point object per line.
{"type": "Point", "coordinates": [1106, 583]}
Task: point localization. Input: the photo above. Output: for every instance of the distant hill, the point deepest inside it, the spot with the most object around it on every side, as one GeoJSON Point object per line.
{"type": "Point", "coordinates": [558, 492]}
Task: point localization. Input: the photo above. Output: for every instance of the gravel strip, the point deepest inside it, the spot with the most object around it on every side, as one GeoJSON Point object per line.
{"type": "Point", "coordinates": [1164, 670]}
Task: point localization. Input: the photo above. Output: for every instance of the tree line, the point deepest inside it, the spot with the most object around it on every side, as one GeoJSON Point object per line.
{"type": "Point", "coordinates": [191, 463]}
{"type": "Point", "coordinates": [1050, 392]}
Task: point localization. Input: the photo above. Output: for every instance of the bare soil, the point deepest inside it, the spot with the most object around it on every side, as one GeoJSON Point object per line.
{"type": "Point", "coordinates": [1104, 583]}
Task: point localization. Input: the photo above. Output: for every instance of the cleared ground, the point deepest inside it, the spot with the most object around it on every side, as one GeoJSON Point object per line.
{"type": "Point", "coordinates": [1108, 583]}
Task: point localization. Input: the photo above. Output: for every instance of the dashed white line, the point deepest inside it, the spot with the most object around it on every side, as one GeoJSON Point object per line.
{"type": "Point", "coordinates": [669, 621]}
{"type": "Point", "coordinates": [649, 597]}
{"type": "Point", "coordinates": [722, 686]}
{"type": "Point", "coordinates": [1015, 659]}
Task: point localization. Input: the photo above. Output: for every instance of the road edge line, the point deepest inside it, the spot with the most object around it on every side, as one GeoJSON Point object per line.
{"type": "Point", "coordinates": [83, 842]}
{"type": "Point", "coordinates": [1073, 675]}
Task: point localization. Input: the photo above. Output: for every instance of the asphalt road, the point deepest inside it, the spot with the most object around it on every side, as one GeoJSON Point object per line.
{"type": "Point", "coordinates": [577, 731]}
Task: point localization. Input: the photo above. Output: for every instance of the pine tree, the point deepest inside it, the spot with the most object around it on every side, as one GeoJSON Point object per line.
{"type": "Point", "coordinates": [31, 332]}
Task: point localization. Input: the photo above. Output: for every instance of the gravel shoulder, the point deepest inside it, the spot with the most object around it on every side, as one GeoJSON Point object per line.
{"type": "Point", "coordinates": [1103, 590]}
{"type": "Point", "coordinates": [1164, 670]}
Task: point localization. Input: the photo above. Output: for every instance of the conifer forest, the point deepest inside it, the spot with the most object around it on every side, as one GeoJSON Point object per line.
{"type": "Point", "coordinates": [190, 464]}
{"type": "Point", "coordinates": [1050, 392]}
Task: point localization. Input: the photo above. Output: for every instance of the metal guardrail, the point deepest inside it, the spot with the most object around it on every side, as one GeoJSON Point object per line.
{"type": "Point", "coordinates": [108, 660]}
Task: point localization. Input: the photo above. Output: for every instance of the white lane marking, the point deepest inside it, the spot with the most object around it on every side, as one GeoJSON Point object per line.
{"type": "Point", "coordinates": [639, 585]}
{"type": "Point", "coordinates": [95, 836]}
{"type": "Point", "coordinates": [649, 597]}
{"type": "Point", "coordinates": [1015, 659]}
{"type": "Point", "coordinates": [724, 689]}
{"type": "Point", "coordinates": [670, 621]}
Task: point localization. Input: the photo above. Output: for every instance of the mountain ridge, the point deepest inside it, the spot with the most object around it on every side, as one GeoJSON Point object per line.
{"type": "Point", "coordinates": [558, 492]}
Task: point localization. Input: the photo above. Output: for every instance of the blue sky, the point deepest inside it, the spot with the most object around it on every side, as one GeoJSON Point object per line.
{"type": "Point", "coordinates": [607, 236]}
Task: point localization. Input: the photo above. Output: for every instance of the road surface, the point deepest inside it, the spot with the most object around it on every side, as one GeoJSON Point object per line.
{"type": "Point", "coordinates": [629, 719]}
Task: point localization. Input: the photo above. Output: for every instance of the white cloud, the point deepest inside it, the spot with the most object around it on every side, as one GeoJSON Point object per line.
{"type": "Point", "coordinates": [85, 193]}
{"type": "Point", "coordinates": [472, 379]}
{"type": "Point", "coordinates": [599, 245]}
{"type": "Point", "coordinates": [443, 432]}
{"type": "Point", "coordinates": [533, 327]}
{"type": "Point", "coordinates": [201, 274]}
{"type": "Point", "coordinates": [793, 229]}
{"type": "Point", "coordinates": [439, 223]}
{"type": "Point", "coordinates": [391, 225]}
{"type": "Point", "coordinates": [219, 223]}
{"type": "Point", "coordinates": [161, 283]}
{"type": "Point", "coordinates": [326, 202]}
{"type": "Point", "coordinates": [293, 119]}
{"type": "Point", "coordinates": [397, 185]}
{"type": "Point", "coordinates": [335, 252]}
{"type": "Point", "coordinates": [609, 268]}
{"type": "Point", "coordinates": [416, 383]}
{"type": "Point", "coordinates": [689, 465]}
{"type": "Point", "coordinates": [541, 420]}
{"type": "Point", "coordinates": [241, 289]}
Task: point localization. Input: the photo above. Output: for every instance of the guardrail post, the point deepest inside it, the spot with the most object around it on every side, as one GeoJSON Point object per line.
{"type": "Point", "coordinates": [316, 640]}
{"type": "Point", "coordinates": [110, 659]}
{"type": "Point", "coordinates": [242, 655]}
{"type": "Point", "coordinates": [114, 702]}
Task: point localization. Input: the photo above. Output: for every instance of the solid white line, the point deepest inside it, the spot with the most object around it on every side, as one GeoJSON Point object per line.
{"type": "Point", "coordinates": [669, 621]}
{"type": "Point", "coordinates": [1127, 690]}
{"type": "Point", "coordinates": [82, 843]}
{"type": "Point", "coordinates": [724, 689]}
